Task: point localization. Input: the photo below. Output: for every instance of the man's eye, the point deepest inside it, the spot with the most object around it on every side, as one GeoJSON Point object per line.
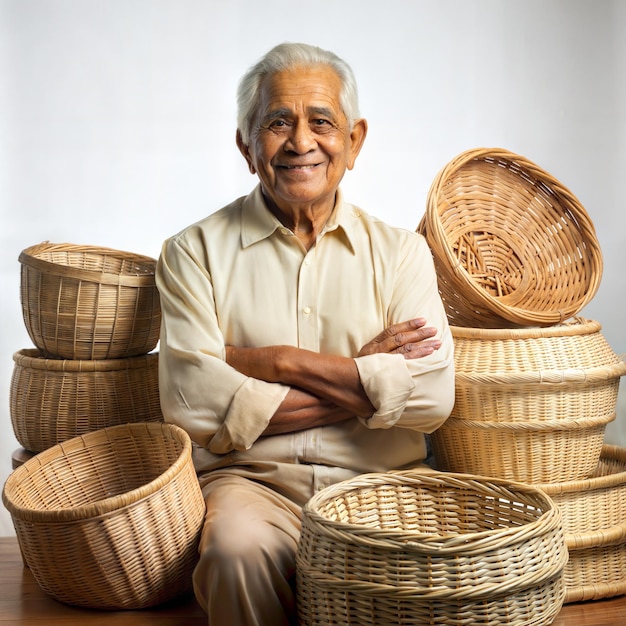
{"type": "Point", "coordinates": [320, 122]}
{"type": "Point", "coordinates": [278, 124]}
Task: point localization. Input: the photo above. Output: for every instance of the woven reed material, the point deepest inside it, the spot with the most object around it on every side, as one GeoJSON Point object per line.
{"type": "Point", "coordinates": [111, 519]}
{"type": "Point", "coordinates": [512, 246]}
{"type": "Point", "coordinates": [88, 302]}
{"type": "Point", "coordinates": [594, 524]}
{"type": "Point", "coordinates": [52, 400]}
{"type": "Point", "coordinates": [411, 548]}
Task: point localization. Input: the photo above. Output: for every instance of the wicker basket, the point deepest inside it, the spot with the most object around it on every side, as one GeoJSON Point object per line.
{"type": "Point", "coordinates": [512, 246]}
{"type": "Point", "coordinates": [408, 548]}
{"type": "Point", "coordinates": [85, 302]}
{"type": "Point", "coordinates": [594, 525]}
{"type": "Point", "coordinates": [111, 519]}
{"type": "Point", "coordinates": [52, 400]}
{"type": "Point", "coordinates": [520, 375]}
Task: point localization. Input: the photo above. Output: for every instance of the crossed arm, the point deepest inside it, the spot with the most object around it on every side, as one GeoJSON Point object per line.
{"type": "Point", "coordinates": [326, 388]}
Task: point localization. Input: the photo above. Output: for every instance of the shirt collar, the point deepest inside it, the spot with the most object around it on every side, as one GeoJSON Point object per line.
{"type": "Point", "coordinates": [258, 222]}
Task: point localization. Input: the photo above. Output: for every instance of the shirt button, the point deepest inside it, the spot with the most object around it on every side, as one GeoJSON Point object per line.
{"type": "Point", "coordinates": [284, 231]}
{"type": "Point", "coordinates": [307, 261]}
{"type": "Point", "coordinates": [307, 310]}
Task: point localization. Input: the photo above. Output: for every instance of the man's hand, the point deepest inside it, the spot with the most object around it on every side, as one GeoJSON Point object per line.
{"type": "Point", "coordinates": [412, 339]}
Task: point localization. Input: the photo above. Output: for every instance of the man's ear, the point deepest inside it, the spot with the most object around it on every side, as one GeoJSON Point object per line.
{"type": "Point", "coordinates": [243, 148]}
{"type": "Point", "coordinates": [357, 137]}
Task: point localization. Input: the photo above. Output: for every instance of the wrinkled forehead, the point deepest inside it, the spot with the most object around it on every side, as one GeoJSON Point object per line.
{"type": "Point", "coordinates": [300, 90]}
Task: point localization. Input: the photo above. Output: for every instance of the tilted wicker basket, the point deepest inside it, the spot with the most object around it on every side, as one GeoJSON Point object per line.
{"type": "Point", "coordinates": [512, 246]}
{"type": "Point", "coordinates": [594, 525]}
{"type": "Point", "coordinates": [89, 302]}
{"type": "Point", "coordinates": [430, 548]}
{"type": "Point", "coordinates": [52, 400]}
{"type": "Point", "coordinates": [110, 519]}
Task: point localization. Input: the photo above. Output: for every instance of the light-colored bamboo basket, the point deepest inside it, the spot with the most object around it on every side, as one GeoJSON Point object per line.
{"type": "Point", "coordinates": [52, 400]}
{"type": "Point", "coordinates": [110, 519]}
{"type": "Point", "coordinates": [89, 302]}
{"type": "Point", "coordinates": [525, 374]}
{"type": "Point", "coordinates": [594, 525]}
{"type": "Point", "coordinates": [429, 548]}
{"type": "Point", "coordinates": [531, 404]}
{"type": "Point", "coordinates": [512, 246]}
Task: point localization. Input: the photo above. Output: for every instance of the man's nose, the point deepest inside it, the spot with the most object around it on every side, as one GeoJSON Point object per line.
{"type": "Point", "coordinates": [301, 138]}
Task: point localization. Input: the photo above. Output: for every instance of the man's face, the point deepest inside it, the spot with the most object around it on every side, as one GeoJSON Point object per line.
{"type": "Point", "coordinates": [300, 140]}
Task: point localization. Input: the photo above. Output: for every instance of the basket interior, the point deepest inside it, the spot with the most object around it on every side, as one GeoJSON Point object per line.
{"type": "Point", "coordinates": [442, 511]}
{"type": "Point", "coordinates": [74, 475]}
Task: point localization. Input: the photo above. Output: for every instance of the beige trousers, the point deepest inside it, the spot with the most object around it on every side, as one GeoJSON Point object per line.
{"type": "Point", "coordinates": [246, 572]}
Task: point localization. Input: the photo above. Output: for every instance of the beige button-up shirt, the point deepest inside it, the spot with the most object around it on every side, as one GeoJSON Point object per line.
{"type": "Point", "coordinates": [239, 277]}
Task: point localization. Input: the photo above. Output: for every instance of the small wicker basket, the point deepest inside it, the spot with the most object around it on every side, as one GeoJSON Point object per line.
{"type": "Point", "coordinates": [429, 548]}
{"type": "Point", "coordinates": [512, 246]}
{"type": "Point", "coordinates": [111, 519]}
{"type": "Point", "coordinates": [594, 525]}
{"type": "Point", "coordinates": [52, 400]}
{"type": "Point", "coordinates": [87, 302]}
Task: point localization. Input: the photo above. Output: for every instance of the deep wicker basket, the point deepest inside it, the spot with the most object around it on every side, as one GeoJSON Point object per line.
{"type": "Point", "coordinates": [429, 548]}
{"type": "Point", "coordinates": [52, 400]}
{"type": "Point", "coordinates": [111, 519]}
{"type": "Point", "coordinates": [531, 404]}
{"type": "Point", "coordinates": [512, 246]}
{"type": "Point", "coordinates": [87, 302]}
{"type": "Point", "coordinates": [594, 525]}
{"type": "Point", "coordinates": [524, 374]}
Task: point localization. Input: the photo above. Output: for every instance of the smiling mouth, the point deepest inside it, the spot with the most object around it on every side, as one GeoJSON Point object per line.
{"type": "Point", "coordinates": [298, 167]}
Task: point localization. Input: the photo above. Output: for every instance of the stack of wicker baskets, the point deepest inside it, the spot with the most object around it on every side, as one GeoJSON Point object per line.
{"type": "Point", "coordinates": [517, 260]}
{"type": "Point", "coordinates": [107, 509]}
{"type": "Point", "coordinates": [94, 316]}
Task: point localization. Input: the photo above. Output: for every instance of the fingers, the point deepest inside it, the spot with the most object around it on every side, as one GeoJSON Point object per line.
{"type": "Point", "coordinates": [412, 338]}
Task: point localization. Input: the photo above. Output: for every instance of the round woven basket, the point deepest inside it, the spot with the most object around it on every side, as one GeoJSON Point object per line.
{"type": "Point", "coordinates": [111, 519]}
{"type": "Point", "coordinates": [525, 374]}
{"type": "Point", "coordinates": [512, 246]}
{"type": "Point", "coordinates": [594, 526]}
{"type": "Point", "coordinates": [531, 404]}
{"type": "Point", "coordinates": [52, 400]}
{"type": "Point", "coordinates": [410, 548]}
{"type": "Point", "coordinates": [87, 302]}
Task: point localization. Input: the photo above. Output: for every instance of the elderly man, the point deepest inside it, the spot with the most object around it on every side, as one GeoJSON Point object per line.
{"type": "Point", "coordinates": [303, 341]}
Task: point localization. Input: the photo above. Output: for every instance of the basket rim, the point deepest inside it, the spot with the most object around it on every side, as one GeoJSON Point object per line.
{"type": "Point", "coordinates": [28, 258]}
{"type": "Point", "coordinates": [566, 424]}
{"type": "Point", "coordinates": [615, 535]}
{"type": "Point", "coordinates": [32, 358]}
{"type": "Point", "coordinates": [437, 544]}
{"type": "Point", "coordinates": [572, 326]}
{"type": "Point", "coordinates": [107, 506]}
{"type": "Point", "coordinates": [601, 373]}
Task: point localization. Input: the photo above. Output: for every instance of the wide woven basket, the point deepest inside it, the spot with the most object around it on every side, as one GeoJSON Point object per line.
{"type": "Point", "coordinates": [111, 519]}
{"type": "Point", "coordinates": [512, 246]}
{"type": "Point", "coordinates": [52, 400]}
{"type": "Point", "coordinates": [88, 302]}
{"type": "Point", "coordinates": [429, 548]}
{"type": "Point", "coordinates": [531, 404]}
{"type": "Point", "coordinates": [594, 525]}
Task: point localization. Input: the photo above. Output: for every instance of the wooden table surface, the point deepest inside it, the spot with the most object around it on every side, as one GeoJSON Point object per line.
{"type": "Point", "coordinates": [23, 603]}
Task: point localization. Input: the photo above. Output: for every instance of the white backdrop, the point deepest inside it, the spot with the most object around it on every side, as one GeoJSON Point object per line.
{"type": "Point", "coordinates": [117, 118]}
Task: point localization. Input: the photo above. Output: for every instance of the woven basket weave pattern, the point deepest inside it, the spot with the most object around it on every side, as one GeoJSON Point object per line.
{"type": "Point", "coordinates": [110, 519]}
{"type": "Point", "coordinates": [84, 302]}
{"type": "Point", "coordinates": [54, 400]}
{"type": "Point", "coordinates": [512, 246]}
{"type": "Point", "coordinates": [400, 547]}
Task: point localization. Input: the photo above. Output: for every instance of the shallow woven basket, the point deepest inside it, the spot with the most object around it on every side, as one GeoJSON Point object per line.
{"type": "Point", "coordinates": [410, 548]}
{"type": "Point", "coordinates": [87, 302]}
{"type": "Point", "coordinates": [512, 246]}
{"type": "Point", "coordinates": [594, 525]}
{"type": "Point", "coordinates": [524, 374]}
{"type": "Point", "coordinates": [111, 519]}
{"type": "Point", "coordinates": [52, 400]}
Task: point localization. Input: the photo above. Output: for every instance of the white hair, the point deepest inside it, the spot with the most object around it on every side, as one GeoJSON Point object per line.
{"type": "Point", "coordinates": [286, 56]}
